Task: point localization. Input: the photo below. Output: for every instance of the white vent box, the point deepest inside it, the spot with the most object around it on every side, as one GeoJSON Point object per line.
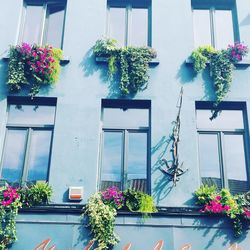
{"type": "Point", "coordinates": [75, 193]}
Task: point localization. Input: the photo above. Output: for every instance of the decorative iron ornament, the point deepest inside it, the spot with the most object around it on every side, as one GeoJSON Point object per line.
{"type": "Point", "coordinates": [174, 171]}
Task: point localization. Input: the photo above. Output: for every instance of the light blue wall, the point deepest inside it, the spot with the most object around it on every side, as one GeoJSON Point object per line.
{"type": "Point", "coordinates": [81, 87]}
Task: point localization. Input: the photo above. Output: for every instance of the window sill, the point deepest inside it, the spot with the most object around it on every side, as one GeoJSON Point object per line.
{"type": "Point", "coordinates": [99, 59]}
{"type": "Point", "coordinates": [243, 63]}
{"type": "Point", "coordinates": [63, 61]}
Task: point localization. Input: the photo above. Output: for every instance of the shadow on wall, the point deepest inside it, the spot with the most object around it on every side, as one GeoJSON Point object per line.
{"type": "Point", "coordinates": [3, 78]}
{"type": "Point", "coordinates": [162, 185]}
{"type": "Point", "coordinates": [186, 75]}
{"type": "Point", "coordinates": [223, 231]}
{"type": "Point", "coordinates": [90, 66]}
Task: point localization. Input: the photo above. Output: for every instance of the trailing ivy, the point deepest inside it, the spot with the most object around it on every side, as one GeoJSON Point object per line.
{"type": "Point", "coordinates": [221, 65]}
{"type": "Point", "coordinates": [129, 64]}
{"type": "Point", "coordinates": [102, 209]}
{"type": "Point", "coordinates": [237, 207]}
{"type": "Point", "coordinates": [33, 66]}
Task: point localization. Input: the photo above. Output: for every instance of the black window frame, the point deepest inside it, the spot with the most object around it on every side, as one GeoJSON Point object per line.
{"type": "Point", "coordinates": [44, 22]}
{"type": "Point", "coordinates": [212, 6]}
{"type": "Point", "coordinates": [128, 5]}
{"type": "Point", "coordinates": [127, 104]}
{"type": "Point", "coordinates": [37, 101]}
{"type": "Point", "coordinates": [241, 106]}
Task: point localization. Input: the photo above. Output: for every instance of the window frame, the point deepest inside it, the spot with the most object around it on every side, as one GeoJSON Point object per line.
{"type": "Point", "coordinates": [29, 128]}
{"type": "Point", "coordinates": [44, 21]}
{"type": "Point", "coordinates": [220, 133]}
{"type": "Point", "coordinates": [128, 6]}
{"type": "Point", "coordinates": [125, 130]}
{"type": "Point", "coordinates": [212, 6]}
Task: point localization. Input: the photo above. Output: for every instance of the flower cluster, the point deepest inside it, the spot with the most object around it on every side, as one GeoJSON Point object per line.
{"type": "Point", "coordinates": [237, 51]}
{"type": "Point", "coordinates": [113, 196]}
{"type": "Point", "coordinates": [9, 195]}
{"type": "Point", "coordinates": [215, 206]}
{"type": "Point", "coordinates": [246, 212]}
{"type": "Point", "coordinates": [39, 59]}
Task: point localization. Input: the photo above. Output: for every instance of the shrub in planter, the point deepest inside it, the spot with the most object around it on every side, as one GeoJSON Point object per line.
{"type": "Point", "coordinates": [237, 207]}
{"type": "Point", "coordinates": [102, 209]}
{"type": "Point", "coordinates": [33, 66]}
{"type": "Point", "coordinates": [128, 64]}
{"type": "Point", "coordinates": [221, 65]}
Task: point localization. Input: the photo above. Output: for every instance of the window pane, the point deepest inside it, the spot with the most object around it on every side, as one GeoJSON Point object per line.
{"type": "Point", "coordinates": [227, 119]}
{"type": "Point", "coordinates": [55, 26]}
{"type": "Point", "coordinates": [235, 162]}
{"type": "Point", "coordinates": [31, 114]}
{"type": "Point", "coordinates": [202, 29]}
{"type": "Point", "coordinates": [137, 161]}
{"type": "Point", "coordinates": [139, 27]}
{"type": "Point", "coordinates": [33, 24]}
{"type": "Point", "coordinates": [117, 24]}
{"type": "Point", "coordinates": [115, 117]}
{"type": "Point", "coordinates": [111, 170]}
{"type": "Point", "coordinates": [224, 28]}
{"type": "Point", "coordinates": [209, 162]}
{"type": "Point", "coordinates": [14, 152]}
{"type": "Point", "coordinates": [39, 154]}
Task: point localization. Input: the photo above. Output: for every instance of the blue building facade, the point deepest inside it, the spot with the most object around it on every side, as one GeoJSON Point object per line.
{"type": "Point", "coordinates": [80, 118]}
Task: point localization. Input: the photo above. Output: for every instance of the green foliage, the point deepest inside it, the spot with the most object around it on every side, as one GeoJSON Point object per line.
{"type": "Point", "coordinates": [32, 66]}
{"type": "Point", "coordinates": [205, 194]}
{"type": "Point", "coordinates": [237, 207]}
{"type": "Point", "coordinates": [10, 202]}
{"type": "Point", "coordinates": [102, 209]}
{"type": "Point", "coordinates": [36, 194]}
{"type": "Point", "coordinates": [130, 64]}
{"type": "Point", "coordinates": [221, 66]}
{"type": "Point", "coordinates": [101, 221]}
{"type": "Point", "coordinates": [139, 202]}
{"type": "Point", "coordinates": [201, 57]}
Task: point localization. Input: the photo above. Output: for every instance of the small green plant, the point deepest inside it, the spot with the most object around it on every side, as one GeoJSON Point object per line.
{"type": "Point", "coordinates": [33, 66]}
{"type": "Point", "coordinates": [237, 207]}
{"type": "Point", "coordinates": [36, 194]}
{"type": "Point", "coordinates": [129, 64]}
{"type": "Point", "coordinates": [102, 209]}
{"type": "Point", "coordinates": [221, 65]}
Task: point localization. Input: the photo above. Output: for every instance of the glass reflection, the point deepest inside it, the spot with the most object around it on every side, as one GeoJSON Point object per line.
{"type": "Point", "coordinates": [209, 159]}
{"type": "Point", "coordinates": [137, 161]}
{"type": "Point", "coordinates": [31, 114]}
{"type": "Point", "coordinates": [202, 29]}
{"type": "Point", "coordinates": [32, 25]}
{"type": "Point", "coordinates": [117, 25]}
{"type": "Point", "coordinates": [39, 155]}
{"type": "Point", "coordinates": [111, 170]}
{"type": "Point", "coordinates": [224, 28]}
{"type": "Point", "coordinates": [139, 27]}
{"type": "Point", "coordinates": [115, 117]}
{"type": "Point", "coordinates": [55, 26]}
{"type": "Point", "coordinates": [14, 152]}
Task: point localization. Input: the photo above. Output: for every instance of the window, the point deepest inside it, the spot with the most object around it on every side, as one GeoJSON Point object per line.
{"type": "Point", "coordinates": [215, 24]}
{"type": "Point", "coordinates": [129, 22]}
{"type": "Point", "coordinates": [28, 139]}
{"type": "Point", "coordinates": [43, 22]}
{"type": "Point", "coordinates": [125, 144]}
{"type": "Point", "coordinates": [222, 146]}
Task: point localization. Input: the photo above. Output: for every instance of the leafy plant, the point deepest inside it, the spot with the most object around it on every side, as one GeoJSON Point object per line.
{"type": "Point", "coordinates": [10, 202]}
{"type": "Point", "coordinates": [102, 209]}
{"type": "Point", "coordinates": [221, 65]}
{"type": "Point", "coordinates": [101, 221]}
{"type": "Point", "coordinates": [129, 64]}
{"type": "Point", "coordinates": [235, 207]}
{"type": "Point", "coordinates": [33, 66]}
{"type": "Point", "coordinates": [36, 194]}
